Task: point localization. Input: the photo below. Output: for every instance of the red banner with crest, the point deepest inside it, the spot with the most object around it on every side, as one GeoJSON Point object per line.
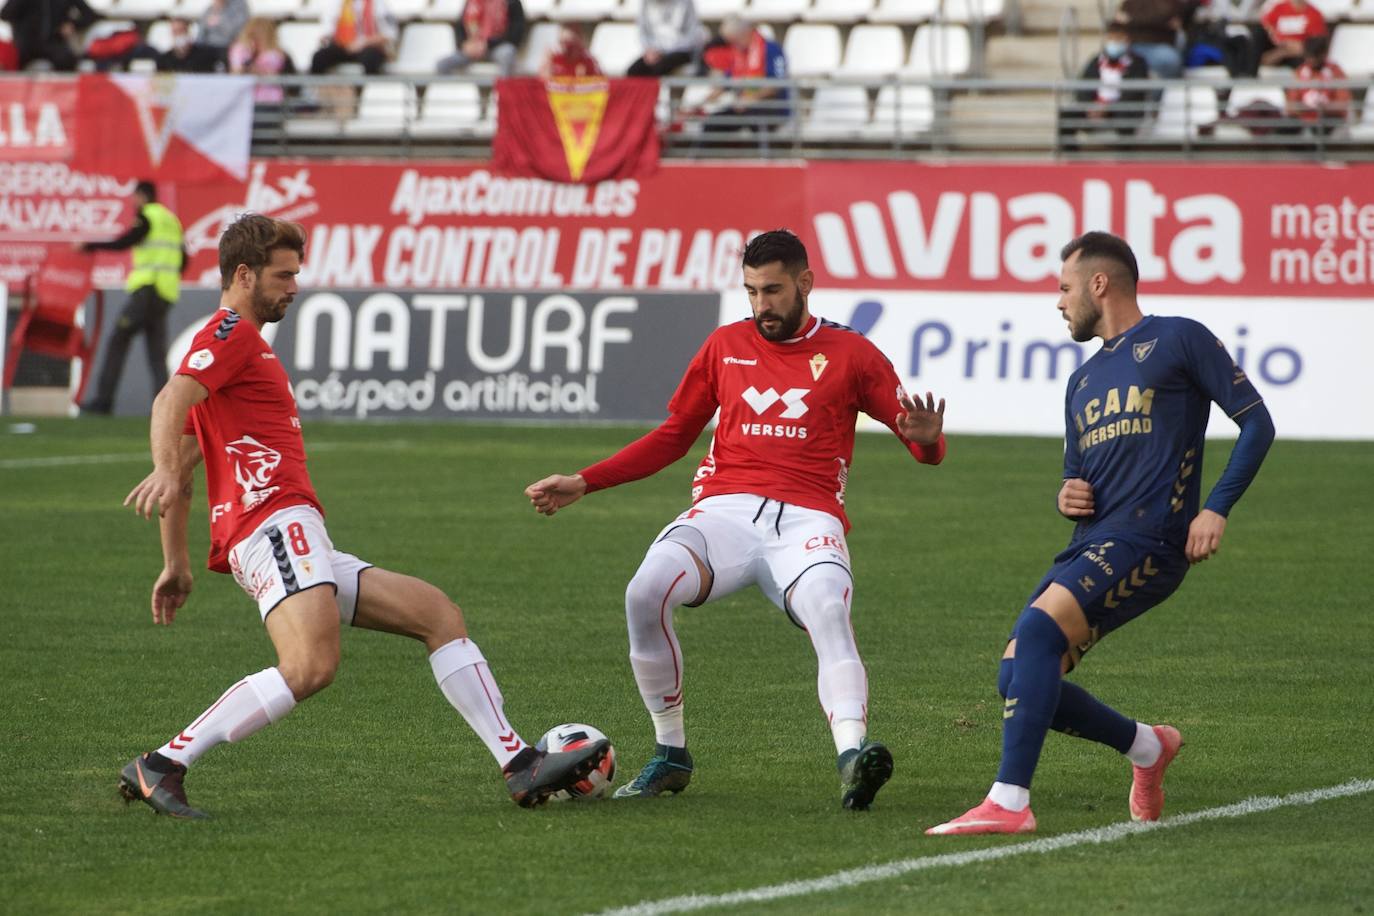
{"type": "Point", "coordinates": [579, 130]}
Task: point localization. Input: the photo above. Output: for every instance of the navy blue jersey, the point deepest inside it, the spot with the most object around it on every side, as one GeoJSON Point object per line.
{"type": "Point", "coordinates": [1136, 413]}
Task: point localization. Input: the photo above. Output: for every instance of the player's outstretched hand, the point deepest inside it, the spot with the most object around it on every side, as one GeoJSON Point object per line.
{"type": "Point", "coordinates": [556, 491]}
{"type": "Point", "coordinates": [921, 423]}
{"type": "Point", "coordinates": [170, 592]}
{"type": "Point", "coordinates": [155, 493]}
{"type": "Point", "coordinates": [1076, 498]}
{"type": "Point", "coordinates": [1204, 535]}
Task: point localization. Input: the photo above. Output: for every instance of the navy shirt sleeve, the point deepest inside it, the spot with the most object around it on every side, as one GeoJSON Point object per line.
{"type": "Point", "coordinates": [1073, 455]}
{"type": "Point", "coordinates": [1215, 373]}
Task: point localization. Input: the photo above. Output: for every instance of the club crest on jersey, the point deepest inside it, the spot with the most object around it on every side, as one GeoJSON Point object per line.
{"type": "Point", "coordinates": [818, 364]}
{"type": "Point", "coordinates": [761, 401]}
{"type": "Point", "coordinates": [1142, 351]}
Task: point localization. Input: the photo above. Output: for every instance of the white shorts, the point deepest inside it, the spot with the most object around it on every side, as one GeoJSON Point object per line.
{"type": "Point", "coordinates": [289, 553]}
{"type": "Point", "coordinates": [751, 540]}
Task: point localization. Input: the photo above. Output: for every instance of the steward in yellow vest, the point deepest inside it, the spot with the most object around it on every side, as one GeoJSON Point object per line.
{"type": "Point", "coordinates": [154, 284]}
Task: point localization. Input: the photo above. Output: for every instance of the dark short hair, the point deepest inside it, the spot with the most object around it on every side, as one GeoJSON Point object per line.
{"type": "Point", "coordinates": [778, 245]}
{"type": "Point", "coordinates": [1316, 45]}
{"type": "Point", "coordinates": [251, 239]}
{"type": "Point", "coordinates": [147, 189]}
{"type": "Point", "coordinates": [1106, 246]}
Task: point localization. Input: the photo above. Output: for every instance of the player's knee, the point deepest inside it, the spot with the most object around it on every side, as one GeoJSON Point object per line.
{"type": "Point", "coordinates": [1037, 631]}
{"type": "Point", "coordinates": [308, 676]}
{"type": "Point", "coordinates": [1004, 672]}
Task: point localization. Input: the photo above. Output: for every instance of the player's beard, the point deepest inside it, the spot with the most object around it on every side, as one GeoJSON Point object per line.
{"type": "Point", "coordinates": [266, 309]}
{"type": "Point", "coordinates": [1083, 323]}
{"type": "Point", "coordinates": [790, 323]}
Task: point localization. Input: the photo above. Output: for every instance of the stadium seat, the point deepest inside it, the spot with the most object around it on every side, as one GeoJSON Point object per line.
{"type": "Point", "coordinates": [421, 46]}
{"type": "Point", "coordinates": [902, 111]}
{"type": "Point", "coordinates": [1363, 11]}
{"type": "Point", "coordinates": [1352, 46]}
{"type": "Point", "coordinates": [836, 112]}
{"type": "Point", "coordinates": [406, 10]}
{"type": "Point", "coordinates": [776, 10]}
{"type": "Point", "coordinates": [812, 49]}
{"type": "Point", "coordinates": [159, 36]}
{"type": "Point", "coordinates": [386, 108]}
{"type": "Point", "coordinates": [1363, 131]}
{"type": "Point", "coordinates": [716, 10]}
{"type": "Point", "coordinates": [1241, 97]}
{"type": "Point", "coordinates": [141, 9]}
{"type": "Point", "coordinates": [872, 50]}
{"type": "Point", "coordinates": [541, 37]}
{"type": "Point", "coordinates": [942, 50]}
{"type": "Point", "coordinates": [48, 324]}
{"type": "Point", "coordinates": [1183, 111]}
{"type": "Point", "coordinates": [965, 11]}
{"type": "Point", "coordinates": [615, 45]}
{"type": "Point", "coordinates": [840, 12]}
{"type": "Point", "coordinates": [449, 109]}
{"type": "Point", "coordinates": [904, 12]}
{"type": "Point", "coordinates": [103, 7]}
{"type": "Point", "coordinates": [625, 11]}
{"type": "Point", "coordinates": [318, 9]}
{"type": "Point", "coordinates": [582, 11]}
{"type": "Point", "coordinates": [300, 41]}
{"type": "Point", "coordinates": [1207, 74]}
{"type": "Point", "coordinates": [271, 9]}
{"type": "Point", "coordinates": [1334, 10]}
{"type": "Point", "coordinates": [192, 9]}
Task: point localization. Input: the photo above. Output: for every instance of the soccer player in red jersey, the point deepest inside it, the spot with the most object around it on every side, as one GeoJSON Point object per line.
{"type": "Point", "coordinates": [768, 502]}
{"type": "Point", "coordinates": [231, 404]}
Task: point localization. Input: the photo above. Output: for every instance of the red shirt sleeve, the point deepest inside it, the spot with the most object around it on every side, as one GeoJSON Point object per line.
{"type": "Point", "coordinates": [691, 407]}
{"type": "Point", "coordinates": [879, 394]}
{"type": "Point", "coordinates": [219, 353]}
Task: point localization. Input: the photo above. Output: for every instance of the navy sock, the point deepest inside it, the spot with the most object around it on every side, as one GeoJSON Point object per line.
{"type": "Point", "coordinates": [1032, 696]}
{"type": "Point", "coordinates": [1085, 716]}
{"type": "Point", "coordinates": [1004, 678]}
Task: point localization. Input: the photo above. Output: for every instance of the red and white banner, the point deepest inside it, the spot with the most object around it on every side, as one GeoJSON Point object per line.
{"type": "Point", "coordinates": [1211, 230]}
{"type": "Point", "coordinates": [71, 150]}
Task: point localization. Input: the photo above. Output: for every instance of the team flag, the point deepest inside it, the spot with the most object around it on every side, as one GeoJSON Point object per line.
{"type": "Point", "coordinates": [577, 129]}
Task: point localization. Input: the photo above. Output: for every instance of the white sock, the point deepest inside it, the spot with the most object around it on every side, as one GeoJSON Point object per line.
{"type": "Point", "coordinates": [254, 702]}
{"type": "Point", "coordinates": [667, 577]}
{"type": "Point", "coordinates": [466, 681]}
{"type": "Point", "coordinates": [820, 601]}
{"type": "Point", "coordinates": [1145, 749]}
{"type": "Point", "coordinates": [1013, 798]}
{"type": "Point", "coordinates": [848, 733]}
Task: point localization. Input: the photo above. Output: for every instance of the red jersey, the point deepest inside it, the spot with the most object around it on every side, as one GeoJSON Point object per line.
{"type": "Point", "coordinates": [787, 412]}
{"type": "Point", "coordinates": [1288, 23]}
{"type": "Point", "coordinates": [248, 431]}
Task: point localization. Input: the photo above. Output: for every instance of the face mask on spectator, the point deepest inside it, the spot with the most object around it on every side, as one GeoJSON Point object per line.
{"type": "Point", "coordinates": [1114, 49]}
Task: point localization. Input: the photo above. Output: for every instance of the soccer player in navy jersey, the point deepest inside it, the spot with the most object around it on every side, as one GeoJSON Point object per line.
{"type": "Point", "coordinates": [1135, 414]}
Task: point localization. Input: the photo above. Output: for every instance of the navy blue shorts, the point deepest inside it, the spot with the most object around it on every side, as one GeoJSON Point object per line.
{"type": "Point", "coordinates": [1115, 580]}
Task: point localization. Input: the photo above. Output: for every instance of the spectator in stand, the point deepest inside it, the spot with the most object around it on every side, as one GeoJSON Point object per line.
{"type": "Point", "coordinates": [47, 30]}
{"type": "Point", "coordinates": [489, 30]}
{"type": "Point", "coordinates": [671, 34]}
{"type": "Point", "coordinates": [1320, 105]}
{"type": "Point", "coordinates": [257, 53]}
{"type": "Point", "coordinates": [1112, 105]}
{"type": "Point", "coordinates": [1287, 24]}
{"type": "Point", "coordinates": [360, 32]}
{"type": "Point", "coordinates": [751, 57]}
{"type": "Point", "coordinates": [215, 32]}
{"type": "Point", "coordinates": [1155, 28]}
{"type": "Point", "coordinates": [570, 57]}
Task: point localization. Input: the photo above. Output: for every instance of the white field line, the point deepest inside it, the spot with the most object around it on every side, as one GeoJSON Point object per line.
{"type": "Point", "coordinates": [1096, 835]}
{"type": "Point", "coordinates": [58, 461]}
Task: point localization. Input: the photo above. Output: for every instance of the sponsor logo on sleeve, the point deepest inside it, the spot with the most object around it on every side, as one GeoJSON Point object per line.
{"type": "Point", "coordinates": [201, 359]}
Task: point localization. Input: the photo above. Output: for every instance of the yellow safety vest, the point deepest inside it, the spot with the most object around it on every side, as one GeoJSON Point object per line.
{"type": "Point", "coordinates": [157, 259]}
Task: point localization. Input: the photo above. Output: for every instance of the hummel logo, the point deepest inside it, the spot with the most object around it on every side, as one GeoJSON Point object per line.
{"type": "Point", "coordinates": [736, 361]}
{"type": "Point", "coordinates": [762, 400]}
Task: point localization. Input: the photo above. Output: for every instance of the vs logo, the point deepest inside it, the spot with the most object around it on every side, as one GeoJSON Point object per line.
{"type": "Point", "coordinates": [762, 400]}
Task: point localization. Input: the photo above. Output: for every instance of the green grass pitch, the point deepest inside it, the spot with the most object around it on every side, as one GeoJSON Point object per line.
{"type": "Point", "coordinates": [375, 798]}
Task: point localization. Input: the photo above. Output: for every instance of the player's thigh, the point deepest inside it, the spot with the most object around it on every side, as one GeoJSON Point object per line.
{"type": "Point", "coordinates": [304, 629]}
{"type": "Point", "coordinates": [800, 540]}
{"type": "Point", "coordinates": [721, 527]}
{"type": "Point", "coordinates": [392, 602]}
{"type": "Point", "coordinates": [1111, 582]}
{"type": "Point", "coordinates": [289, 552]}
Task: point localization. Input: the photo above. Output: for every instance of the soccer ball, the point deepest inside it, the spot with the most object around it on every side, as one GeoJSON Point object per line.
{"type": "Point", "coordinates": [569, 737]}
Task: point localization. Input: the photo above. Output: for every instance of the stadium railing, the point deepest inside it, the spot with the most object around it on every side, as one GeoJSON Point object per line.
{"type": "Point", "coordinates": [843, 118]}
